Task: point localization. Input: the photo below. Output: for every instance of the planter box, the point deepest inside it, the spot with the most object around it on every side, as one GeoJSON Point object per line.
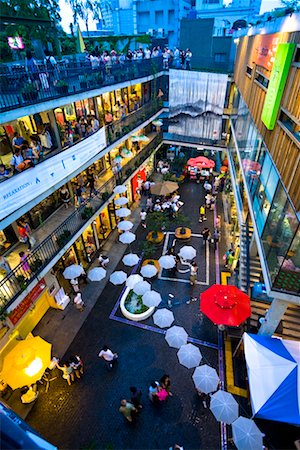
{"type": "Point", "coordinates": [29, 96]}
{"type": "Point", "coordinates": [62, 89]}
{"type": "Point", "coordinates": [131, 316]}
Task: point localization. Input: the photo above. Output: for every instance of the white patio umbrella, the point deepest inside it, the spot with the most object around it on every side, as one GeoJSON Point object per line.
{"type": "Point", "coordinates": [131, 259]}
{"type": "Point", "coordinates": [206, 379]}
{"type": "Point", "coordinates": [224, 407]}
{"type": "Point", "coordinates": [121, 201]}
{"type": "Point", "coordinates": [187, 252]}
{"type": "Point", "coordinates": [127, 237]}
{"type": "Point", "coordinates": [151, 298]}
{"type": "Point", "coordinates": [123, 212]}
{"type": "Point", "coordinates": [163, 318]}
{"type": "Point", "coordinates": [125, 225]}
{"type": "Point", "coordinates": [157, 123]}
{"type": "Point", "coordinates": [132, 280]}
{"type": "Point", "coordinates": [97, 274]}
{"type": "Point", "coordinates": [176, 336]}
{"type": "Point", "coordinates": [73, 271]}
{"type": "Point", "coordinates": [167, 262]}
{"type": "Point", "coordinates": [148, 271]}
{"type": "Point", "coordinates": [118, 277]}
{"type": "Point", "coordinates": [120, 189]}
{"type": "Point", "coordinates": [246, 435]}
{"type": "Point", "coordinates": [126, 153]}
{"type": "Point", "coordinates": [141, 288]}
{"type": "Point", "coordinates": [189, 356]}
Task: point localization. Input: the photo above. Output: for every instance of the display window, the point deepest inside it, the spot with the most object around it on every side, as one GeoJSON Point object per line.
{"type": "Point", "coordinates": [103, 225]}
{"type": "Point", "coordinates": [39, 213]}
{"type": "Point", "coordinates": [80, 251]}
{"type": "Point", "coordinates": [7, 239]}
{"type": "Point", "coordinates": [85, 107]}
{"type": "Point", "coordinates": [112, 215]}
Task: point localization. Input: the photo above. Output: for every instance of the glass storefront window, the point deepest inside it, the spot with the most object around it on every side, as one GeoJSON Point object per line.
{"type": "Point", "coordinates": [279, 230]}
{"type": "Point", "coordinates": [103, 226]}
{"type": "Point", "coordinates": [89, 242]}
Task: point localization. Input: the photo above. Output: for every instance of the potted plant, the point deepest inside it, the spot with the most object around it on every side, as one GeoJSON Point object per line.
{"type": "Point", "coordinates": [29, 92]}
{"type": "Point", "coordinates": [63, 239]}
{"type": "Point", "coordinates": [87, 212]}
{"type": "Point", "coordinates": [36, 264]}
{"type": "Point", "coordinates": [22, 282]}
{"type": "Point", "coordinates": [148, 249]}
{"type": "Point", "coordinates": [4, 327]}
{"type": "Point", "coordinates": [62, 87]}
{"type": "Point", "coordinates": [157, 222]}
{"type": "Point", "coordinates": [105, 196]}
{"type": "Point", "coordinates": [83, 81]}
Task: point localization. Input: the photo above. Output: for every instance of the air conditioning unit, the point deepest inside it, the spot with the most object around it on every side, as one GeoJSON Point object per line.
{"type": "Point", "coordinates": [150, 31]}
{"type": "Point", "coordinates": [161, 31]}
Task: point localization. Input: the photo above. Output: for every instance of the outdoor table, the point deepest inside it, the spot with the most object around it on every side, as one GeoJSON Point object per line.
{"type": "Point", "coordinates": [155, 240]}
{"type": "Point", "coordinates": [152, 261]}
{"type": "Point", "coordinates": [186, 235]}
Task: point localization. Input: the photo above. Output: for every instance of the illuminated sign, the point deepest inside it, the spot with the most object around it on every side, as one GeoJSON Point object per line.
{"type": "Point", "coordinates": [277, 82]}
{"type": "Point", "coordinates": [15, 43]}
{"type": "Point", "coordinates": [264, 50]}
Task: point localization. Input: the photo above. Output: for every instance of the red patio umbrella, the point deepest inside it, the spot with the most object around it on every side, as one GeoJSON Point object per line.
{"type": "Point", "coordinates": [202, 162]}
{"type": "Point", "coordinates": [225, 305]}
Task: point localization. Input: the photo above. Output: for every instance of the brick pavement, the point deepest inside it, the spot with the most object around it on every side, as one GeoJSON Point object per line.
{"type": "Point", "coordinates": [85, 415]}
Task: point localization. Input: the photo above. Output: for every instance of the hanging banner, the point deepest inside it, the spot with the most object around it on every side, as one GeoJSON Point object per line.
{"type": "Point", "coordinates": [277, 82]}
{"type": "Point", "coordinates": [26, 186]}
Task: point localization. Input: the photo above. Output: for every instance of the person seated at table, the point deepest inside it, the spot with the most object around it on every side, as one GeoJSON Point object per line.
{"type": "Point", "coordinates": [157, 206]}
{"type": "Point", "coordinates": [17, 141]}
{"type": "Point", "coordinates": [103, 260]}
{"type": "Point", "coordinates": [31, 395]}
{"type": "Point", "coordinates": [4, 172]}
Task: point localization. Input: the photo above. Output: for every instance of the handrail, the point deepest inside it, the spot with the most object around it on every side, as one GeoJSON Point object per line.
{"type": "Point", "coordinates": [22, 88]}
{"type": "Point", "coordinates": [16, 281]}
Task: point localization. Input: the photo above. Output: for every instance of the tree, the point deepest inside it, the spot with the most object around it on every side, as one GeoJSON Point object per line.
{"type": "Point", "coordinates": [84, 9]}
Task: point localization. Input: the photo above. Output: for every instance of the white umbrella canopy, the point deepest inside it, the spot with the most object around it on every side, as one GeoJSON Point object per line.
{"type": "Point", "coordinates": [246, 435]}
{"type": "Point", "coordinates": [118, 277]}
{"type": "Point", "coordinates": [120, 189]}
{"type": "Point", "coordinates": [167, 262]}
{"type": "Point", "coordinates": [97, 274]}
{"type": "Point", "coordinates": [73, 271]}
{"type": "Point", "coordinates": [131, 259]}
{"type": "Point", "coordinates": [126, 153]}
{"type": "Point", "coordinates": [163, 318]}
{"type": "Point", "coordinates": [123, 212]}
{"type": "Point", "coordinates": [206, 379]}
{"type": "Point", "coordinates": [157, 123]}
{"type": "Point", "coordinates": [141, 288]}
{"type": "Point", "coordinates": [151, 298]}
{"type": "Point", "coordinates": [148, 271]}
{"type": "Point", "coordinates": [132, 280]}
{"type": "Point", "coordinates": [187, 252]}
{"type": "Point", "coordinates": [121, 201]}
{"type": "Point", "coordinates": [224, 407]}
{"type": "Point", "coordinates": [127, 237]}
{"type": "Point", "coordinates": [176, 336]}
{"type": "Point", "coordinates": [189, 356]}
{"type": "Point", "coordinates": [125, 225]}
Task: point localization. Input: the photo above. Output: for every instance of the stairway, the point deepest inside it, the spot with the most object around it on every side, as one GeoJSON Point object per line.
{"type": "Point", "coordinates": [255, 267]}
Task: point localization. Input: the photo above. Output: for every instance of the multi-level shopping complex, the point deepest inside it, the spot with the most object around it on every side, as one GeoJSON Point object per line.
{"type": "Point", "coordinates": [95, 131]}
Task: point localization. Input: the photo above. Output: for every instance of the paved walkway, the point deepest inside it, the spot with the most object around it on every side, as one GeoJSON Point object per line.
{"type": "Point", "coordinates": [91, 404]}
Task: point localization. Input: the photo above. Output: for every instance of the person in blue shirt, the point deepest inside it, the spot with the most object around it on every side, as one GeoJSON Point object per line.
{"type": "Point", "coordinates": [4, 173]}
{"type": "Point", "coordinates": [17, 140]}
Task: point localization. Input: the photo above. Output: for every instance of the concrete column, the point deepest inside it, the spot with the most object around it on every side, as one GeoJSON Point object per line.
{"type": "Point", "coordinates": [54, 128]}
{"type": "Point", "coordinates": [273, 317]}
{"type": "Point", "coordinates": [253, 246]}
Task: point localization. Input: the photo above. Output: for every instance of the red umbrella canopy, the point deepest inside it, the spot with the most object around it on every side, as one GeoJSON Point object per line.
{"type": "Point", "coordinates": [202, 162]}
{"type": "Point", "coordinates": [250, 165]}
{"type": "Point", "coordinates": [225, 305]}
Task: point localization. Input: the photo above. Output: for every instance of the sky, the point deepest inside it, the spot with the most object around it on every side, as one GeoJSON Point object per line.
{"type": "Point", "coordinates": [67, 15]}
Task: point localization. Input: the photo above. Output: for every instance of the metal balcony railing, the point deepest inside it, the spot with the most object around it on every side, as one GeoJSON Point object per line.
{"type": "Point", "coordinates": [19, 87]}
{"type": "Point", "coordinates": [16, 281]}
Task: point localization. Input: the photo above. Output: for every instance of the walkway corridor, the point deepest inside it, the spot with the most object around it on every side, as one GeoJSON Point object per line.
{"type": "Point", "coordinates": [91, 404]}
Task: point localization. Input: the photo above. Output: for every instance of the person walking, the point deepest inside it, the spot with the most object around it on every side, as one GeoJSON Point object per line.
{"type": "Point", "coordinates": [193, 281]}
{"type": "Point", "coordinates": [108, 356]}
{"type": "Point", "coordinates": [202, 214]}
{"type": "Point", "coordinates": [25, 264]}
{"type": "Point", "coordinates": [143, 216]}
{"type": "Point", "coordinates": [67, 372]}
{"type": "Point", "coordinates": [153, 391]}
{"type": "Point", "coordinates": [78, 302]}
{"type": "Point", "coordinates": [127, 409]}
{"type": "Point", "coordinates": [77, 366]}
{"type": "Point", "coordinates": [205, 235]}
{"type": "Point", "coordinates": [65, 196]}
{"type": "Point", "coordinates": [165, 383]}
{"type": "Point", "coordinates": [216, 238]}
{"type": "Point", "coordinates": [135, 398]}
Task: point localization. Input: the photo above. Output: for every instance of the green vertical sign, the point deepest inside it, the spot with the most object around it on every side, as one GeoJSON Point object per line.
{"type": "Point", "coordinates": [277, 82]}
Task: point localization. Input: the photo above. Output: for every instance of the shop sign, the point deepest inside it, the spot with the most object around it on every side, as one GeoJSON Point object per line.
{"type": "Point", "coordinates": [277, 83]}
{"type": "Point", "coordinates": [264, 50]}
{"type": "Point", "coordinates": [33, 182]}
{"type": "Point", "coordinates": [25, 304]}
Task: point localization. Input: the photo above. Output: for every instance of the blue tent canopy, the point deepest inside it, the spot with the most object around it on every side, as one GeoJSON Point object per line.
{"type": "Point", "coordinates": [273, 366]}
